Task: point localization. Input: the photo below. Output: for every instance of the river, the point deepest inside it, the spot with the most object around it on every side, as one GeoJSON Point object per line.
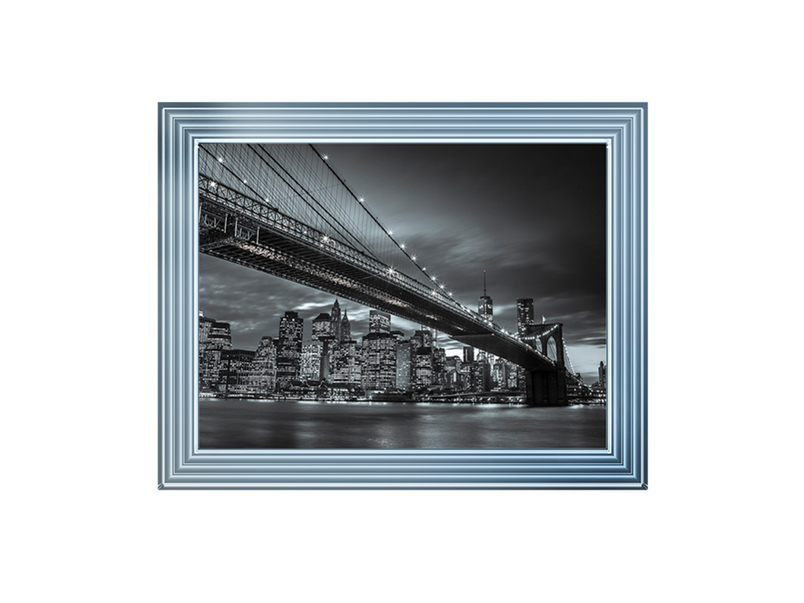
{"type": "Point", "coordinates": [261, 424]}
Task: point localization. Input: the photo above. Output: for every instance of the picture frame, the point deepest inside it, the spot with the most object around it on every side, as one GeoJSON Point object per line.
{"type": "Point", "coordinates": [621, 126]}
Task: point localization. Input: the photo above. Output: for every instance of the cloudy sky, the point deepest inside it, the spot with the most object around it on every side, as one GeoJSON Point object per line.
{"type": "Point", "coordinates": [533, 216]}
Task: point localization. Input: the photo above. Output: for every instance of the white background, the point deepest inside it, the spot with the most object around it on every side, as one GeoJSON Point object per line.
{"type": "Point", "coordinates": [84, 520]}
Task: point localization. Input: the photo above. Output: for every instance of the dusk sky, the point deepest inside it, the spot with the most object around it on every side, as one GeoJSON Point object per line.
{"type": "Point", "coordinates": [533, 216]}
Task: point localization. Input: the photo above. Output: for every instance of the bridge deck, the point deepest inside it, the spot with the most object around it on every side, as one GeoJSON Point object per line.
{"type": "Point", "coordinates": [248, 232]}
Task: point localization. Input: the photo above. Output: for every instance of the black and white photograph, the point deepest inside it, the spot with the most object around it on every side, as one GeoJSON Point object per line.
{"type": "Point", "coordinates": [231, 372]}
{"type": "Point", "coordinates": [402, 296]}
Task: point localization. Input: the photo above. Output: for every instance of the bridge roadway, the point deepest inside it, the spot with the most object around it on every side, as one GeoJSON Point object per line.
{"type": "Point", "coordinates": [247, 231]}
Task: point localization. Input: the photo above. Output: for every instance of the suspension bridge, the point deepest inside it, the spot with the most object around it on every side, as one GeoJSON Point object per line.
{"type": "Point", "coordinates": [284, 210]}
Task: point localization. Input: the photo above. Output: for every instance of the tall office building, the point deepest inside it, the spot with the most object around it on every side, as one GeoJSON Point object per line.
{"type": "Point", "coordinates": [415, 341]}
{"type": "Point", "coordinates": [485, 307]}
{"type": "Point", "coordinates": [204, 326]}
{"type": "Point", "coordinates": [499, 374]}
{"type": "Point", "coordinates": [601, 375]}
{"type": "Point", "coordinates": [238, 373]}
{"type": "Point", "coordinates": [512, 382]}
{"type": "Point", "coordinates": [465, 380]}
{"type": "Point", "coordinates": [346, 329]}
{"type": "Point", "coordinates": [468, 354]}
{"type": "Point", "coordinates": [220, 336]}
{"type": "Point", "coordinates": [452, 372]}
{"type": "Point", "coordinates": [214, 339]}
{"type": "Point", "coordinates": [403, 365]}
{"type": "Point", "coordinates": [311, 360]}
{"type": "Point", "coordinates": [481, 376]}
{"type": "Point", "coordinates": [379, 370]}
{"type": "Point", "coordinates": [265, 366]}
{"type": "Point", "coordinates": [439, 367]}
{"type": "Point", "coordinates": [425, 337]}
{"type": "Point", "coordinates": [204, 361]}
{"type": "Point", "coordinates": [335, 318]}
{"type": "Point", "coordinates": [289, 348]}
{"type": "Point", "coordinates": [524, 314]}
{"type": "Point", "coordinates": [422, 361]}
{"type": "Point", "coordinates": [344, 364]}
{"type": "Point", "coordinates": [379, 322]}
{"type": "Point", "coordinates": [322, 326]}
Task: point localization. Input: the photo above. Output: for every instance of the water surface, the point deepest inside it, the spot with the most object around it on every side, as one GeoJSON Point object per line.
{"type": "Point", "coordinates": [231, 423]}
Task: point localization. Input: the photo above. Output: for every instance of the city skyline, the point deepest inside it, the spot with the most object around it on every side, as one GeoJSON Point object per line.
{"type": "Point", "coordinates": [531, 216]}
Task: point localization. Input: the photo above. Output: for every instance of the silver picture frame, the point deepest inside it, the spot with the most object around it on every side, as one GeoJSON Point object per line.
{"type": "Point", "coordinates": [621, 126]}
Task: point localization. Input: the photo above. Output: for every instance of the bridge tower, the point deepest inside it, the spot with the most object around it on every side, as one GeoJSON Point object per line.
{"type": "Point", "coordinates": [546, 387]}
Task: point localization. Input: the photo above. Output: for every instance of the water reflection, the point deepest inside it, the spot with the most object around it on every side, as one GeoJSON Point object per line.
{"type": "Point", "coordinates": [244, 424]}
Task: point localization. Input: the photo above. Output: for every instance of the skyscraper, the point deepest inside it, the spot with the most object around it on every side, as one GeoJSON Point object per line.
{"type": "Point", "coordinates": [468, 354]}
{"type": "Point", "coordinates": [322, 326]}
{"type": "Point", "coordinates": [265, 366]}
{"type": "Point", "coordinates": [289, 348]}
{"type": "Point", "coordinates": [403, 365]}
{"type": "Point", "coordinates": [499, 374]}
{"type": "Point", "coordinates": [213, 339]}
{"type": "Point", "coordinates": [379, 322]}
{"type": "Point", "coordinates": [439, 361]}
{"type": "Point", "coordinates": [238, 373]}
{"type": "Point", "coordinates": [335, 317]}
{"type": "Point", "coordinates": [346, 329]}
{"type": "Point", "coordinates": [379, 371]}
{"type": "Point", "coordinates": [422, 361]}
{"type": "Point", "coordinates": [344, 366]}
{"type": "Point", "coordinates": [311, 360]}
{"type": "Point", "coordinates": [425, 337]}
{"type": "Point", "coordinates": [485, 307]}
{"type": "Point", "coordinates": [524, 314]}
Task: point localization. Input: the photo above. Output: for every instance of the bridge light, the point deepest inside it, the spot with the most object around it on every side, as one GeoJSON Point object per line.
{"type": "Point", "coordinates": [390, 232]}
{"type": "Point", "coordinates": [220, 159]}
{"type": "Point", "coordinates": [442, 286]}
{"type": "Point", "coordinates": [414, 258]}
{"type": "Point", "coordinates": [402, 245]}
{"type": "Point", "coordinates": [325, 156]}
{"type": "Point", "coordinates": [362, 200]}
{"type": "Point", "coordinates": [213, 184]}
{"type": "Point", "coordinates": [244, 181]}
{"type": "Point", "coordinates": [424, 269]}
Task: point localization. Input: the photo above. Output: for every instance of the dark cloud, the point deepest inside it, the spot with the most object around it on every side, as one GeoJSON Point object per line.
{"type": "Point", "coordinates": [531, 215]}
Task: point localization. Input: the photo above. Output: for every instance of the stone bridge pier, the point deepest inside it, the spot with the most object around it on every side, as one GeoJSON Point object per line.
{"type": "Point", "coordinates": [546, 388]}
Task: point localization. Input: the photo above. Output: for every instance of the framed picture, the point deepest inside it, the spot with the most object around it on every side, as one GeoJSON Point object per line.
{"type": "Point", "coordinates": [402, 295]}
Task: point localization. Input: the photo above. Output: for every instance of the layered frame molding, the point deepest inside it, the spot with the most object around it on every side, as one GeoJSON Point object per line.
{"type": "Point", "coordinates": [622, 126]}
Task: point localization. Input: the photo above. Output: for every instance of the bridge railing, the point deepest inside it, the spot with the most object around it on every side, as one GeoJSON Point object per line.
{"type": "Point", "coordinates": [262, 212]}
